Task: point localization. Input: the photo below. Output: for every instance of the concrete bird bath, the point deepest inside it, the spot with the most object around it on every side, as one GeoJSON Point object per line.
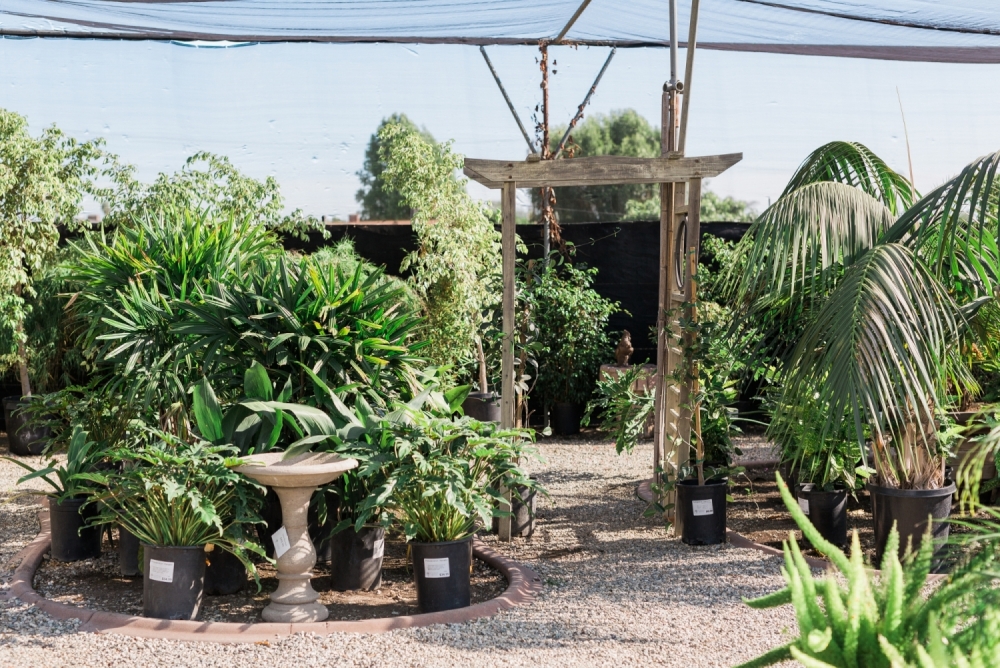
{"type": "Point", "coordinates": [294, 480]}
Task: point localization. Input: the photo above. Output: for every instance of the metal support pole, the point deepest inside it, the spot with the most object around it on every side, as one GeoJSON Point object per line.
{"type": "Point", "coordinates": [510, 105]}
{"type": "Point", "coordinates": [692, 45]}
{"type": "Point", "coordinates": [583, 105]}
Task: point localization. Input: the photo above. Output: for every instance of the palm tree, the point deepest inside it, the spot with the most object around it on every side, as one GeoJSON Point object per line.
{"type": "Point", "coordinates": [866, 294]}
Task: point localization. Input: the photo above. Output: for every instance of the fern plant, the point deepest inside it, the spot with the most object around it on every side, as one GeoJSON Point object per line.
{"type": "Point", "coordinates": [886, 622]}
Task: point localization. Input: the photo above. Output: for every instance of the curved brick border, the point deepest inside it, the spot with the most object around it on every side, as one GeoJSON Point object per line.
{"type": "Point", "coordinates": [523, 584]}
{"type": "Point", "coordinates": [644, 492]}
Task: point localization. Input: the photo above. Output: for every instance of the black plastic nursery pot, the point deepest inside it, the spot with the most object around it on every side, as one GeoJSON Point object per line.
{"type": "Point", "coordinates": [356, 559]}
{"type": "Point", "coordinates": [128, 553]}
{"type": "Point", "coordinates": [910, 510]}
{"type": "Point", "coordinates": [522, 522]}
{"type": "Point", "coordinates": [482, 406]}
{"type": "Point", "coordinates": [173, 581]}
{"type": "Point", "coordinates": [566, 418]}
{"type": "Point", "coordinates": [24, 438]}
{"type": "Point", "coordinates": [224, 573]}
{"type": "Point", "coordinates": [442, 573]}
{"type": "Point", "coordinates": [826, 510]}
{"type": "Point", "coordinates": [72, 539]}
{"type": "Point", "coordinates": [701, 511]}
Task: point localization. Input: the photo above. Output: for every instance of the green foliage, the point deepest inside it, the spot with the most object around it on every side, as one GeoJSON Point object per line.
{"type": "Point", "coordinates": [209, 185]}
{"type": "Point", "coordinates": [624, 412]}
{"type": "Point", "coordinates": [353, 331]}
{"type": "Point", "coordinates": [868, 308]}
{"type": "Point", "coordinates": [72, 477]}
{"type": "Point", "coordinates": [571, 319]}
{"type": "Point", "coordinates": [446, 474]}
{"type": "Point", "coordinates": [174, 493]}
{"type": "Point", "coordinates": [714, 209]}
{"type": "Point", "coordinates": [378, 199]}
{"type": "Point", "coordinates": [104, 415]}
{"type": "Point", "coordinates": [133, 285]}
{"type": "Point", "coordinates": [622, 132]}
{"type": "Point", "coordinates": [42, 183]}
{"type": "Point", "coordinates": [889, 622]}
{"type": "Point", "coordinates": [456, 271]}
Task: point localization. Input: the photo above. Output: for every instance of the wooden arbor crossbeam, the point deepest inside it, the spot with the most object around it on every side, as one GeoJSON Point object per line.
{"type": "Point", "coordinates": [678, 256]}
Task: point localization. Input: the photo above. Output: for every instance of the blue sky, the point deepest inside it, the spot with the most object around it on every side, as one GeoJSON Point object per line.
{"type": "Point", "coordinates": [303, 112]}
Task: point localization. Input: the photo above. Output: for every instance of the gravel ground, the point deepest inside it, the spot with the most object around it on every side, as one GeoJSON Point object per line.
{"type": "Point", "coordinates": [618, 591]}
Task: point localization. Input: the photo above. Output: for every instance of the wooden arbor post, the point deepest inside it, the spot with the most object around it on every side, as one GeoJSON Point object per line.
{"type": "Point", "coordinates": [672, 170]}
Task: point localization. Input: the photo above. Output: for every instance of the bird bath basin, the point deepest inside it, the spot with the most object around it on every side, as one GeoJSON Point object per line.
{"type": "Point", "coordinates": [294, 480]}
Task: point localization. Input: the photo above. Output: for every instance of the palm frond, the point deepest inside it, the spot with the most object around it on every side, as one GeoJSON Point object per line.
{"type": "Point", "coordinates": [880, 343]}
{"type": "Point", "coordinates": [799, 246]}
{"type": "Point", "coordinates": [954, 219]}
{"type": "Point", "coordinates": [855, 165]}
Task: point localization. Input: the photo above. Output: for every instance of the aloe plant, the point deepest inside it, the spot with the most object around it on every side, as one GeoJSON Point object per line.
{"type": "Point", "coordinates": [887, 622]}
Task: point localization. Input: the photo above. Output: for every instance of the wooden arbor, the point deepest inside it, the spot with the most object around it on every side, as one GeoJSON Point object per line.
{"type": "Point", "coordinates": [679, 235]}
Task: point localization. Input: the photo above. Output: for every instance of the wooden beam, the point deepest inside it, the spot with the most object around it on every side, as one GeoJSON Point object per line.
{"type": "Point", "coordinates": [596, 171]}
{"type": "Point", "coordinates": [508, 243]}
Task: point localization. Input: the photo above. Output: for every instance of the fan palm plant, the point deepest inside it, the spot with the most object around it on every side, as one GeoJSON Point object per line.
{"type": "Point", "coordinates": [866, 293]}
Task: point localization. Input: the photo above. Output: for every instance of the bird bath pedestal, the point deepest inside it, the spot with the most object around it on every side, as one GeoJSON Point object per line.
{"type": "Point", "coordinates": [294, 480]}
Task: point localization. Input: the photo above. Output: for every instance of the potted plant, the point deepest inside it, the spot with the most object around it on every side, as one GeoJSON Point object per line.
{"type": "Point", "coordinates": [182, 501]}
{"type": "Point", "coordinates": [71, 508]}
{"type": "Point", "coordinates": [860, 271]}
{"type": "Point", "coordinates": [446, 483]}
{"type": "Point", "coordinates": [571, 319]}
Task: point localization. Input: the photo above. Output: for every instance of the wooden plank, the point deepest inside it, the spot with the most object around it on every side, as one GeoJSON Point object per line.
{"type": "Point", "coordinates": [508, 242]}
{"type": "Point", "coordinates": [600, 170]}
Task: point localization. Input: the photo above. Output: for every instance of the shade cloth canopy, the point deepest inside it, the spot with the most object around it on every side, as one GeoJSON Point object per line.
{"type": "Point", "coordinates": [919, 30]}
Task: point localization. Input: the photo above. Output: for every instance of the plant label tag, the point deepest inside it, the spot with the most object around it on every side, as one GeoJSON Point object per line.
{"type": "Point", "coordinates": [703, 507]}
{"type": "Point", "coordinates": [161, 571]}
{"type": "Point", "coordinates": [437, 568]}
{"type": "Point", "coordinates": [804, 505]}
{"type": "Point", "coordinates": [378, 549]}
{"type": "Point", "coordinates": [280, 540]}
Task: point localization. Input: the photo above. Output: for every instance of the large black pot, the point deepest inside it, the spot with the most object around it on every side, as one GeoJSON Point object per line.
{"type": "Point", "coordinates": [23, 437]}
{"type": "Point", "coordinates": [72, 539]}
{"type": "Point", "coordinates": [356, 559]}
{"type": "Point", "coordinates": [566, 418]}
{"type": "Point", "coordinates": [483, 406]}
{"type": "Point", "coordinates": [701, 511]}
{"type": "Point", "coordinates": [224, 573]}
{"type": "Point", "coordinates": [173, 581]}
{"type": "Point", "coordinates": [910, 509]}
{"type": "Point", "coordinates": [827, 511]}
{"type": "Point", "coordinates": [128, 553]}
{"type": "Point", "coordinates": [441, 572]}
{"type": "Point", "coordinates": [523, 521]}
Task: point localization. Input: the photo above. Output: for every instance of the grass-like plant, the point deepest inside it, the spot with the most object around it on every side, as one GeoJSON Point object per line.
{"type": "Point", "coordinates": [889, 621]}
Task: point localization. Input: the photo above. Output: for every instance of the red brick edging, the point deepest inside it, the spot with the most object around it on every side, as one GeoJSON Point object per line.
{"type": "Point", "coordinates": [523, 584]}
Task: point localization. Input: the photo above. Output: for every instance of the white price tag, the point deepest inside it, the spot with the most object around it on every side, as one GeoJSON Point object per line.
{"type": "Point", "coordinates": [804, 505]}
{"type": "Point", "coordinates": [702, 507]}
{"type": "Point", "coordinates": [437, 568]}
{"type": "Point", "coordinates": [161, 571]}
{"type": "Point", "coordinates": [280, 540]}
{"type": "Point", "coordinates": [378, 549]}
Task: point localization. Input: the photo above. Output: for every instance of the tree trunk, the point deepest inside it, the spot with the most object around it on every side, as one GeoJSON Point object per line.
{"type": "Point", "coordinates": [22, 355]}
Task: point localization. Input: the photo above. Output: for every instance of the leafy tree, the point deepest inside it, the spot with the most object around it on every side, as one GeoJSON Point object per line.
{"type": "Point", "coordinates": [456, 268]}
{"type": "Point", "coordinates": [42, 183]}
{"type": "Point", "coordinates": [378, 200]}
{"type": "Point", "coordinates": [209, 184]}
{"type": "Point", "coordinates": [713, 208]}
{"type": "Point", "coordinates": [622, 132]}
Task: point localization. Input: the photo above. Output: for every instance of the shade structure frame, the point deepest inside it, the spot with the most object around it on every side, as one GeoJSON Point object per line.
{"type": "Point", "coordinates": [677, 176]}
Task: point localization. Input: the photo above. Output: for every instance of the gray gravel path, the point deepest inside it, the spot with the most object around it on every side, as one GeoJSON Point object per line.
{"type": "Point", "coordinates": [618, 591]}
